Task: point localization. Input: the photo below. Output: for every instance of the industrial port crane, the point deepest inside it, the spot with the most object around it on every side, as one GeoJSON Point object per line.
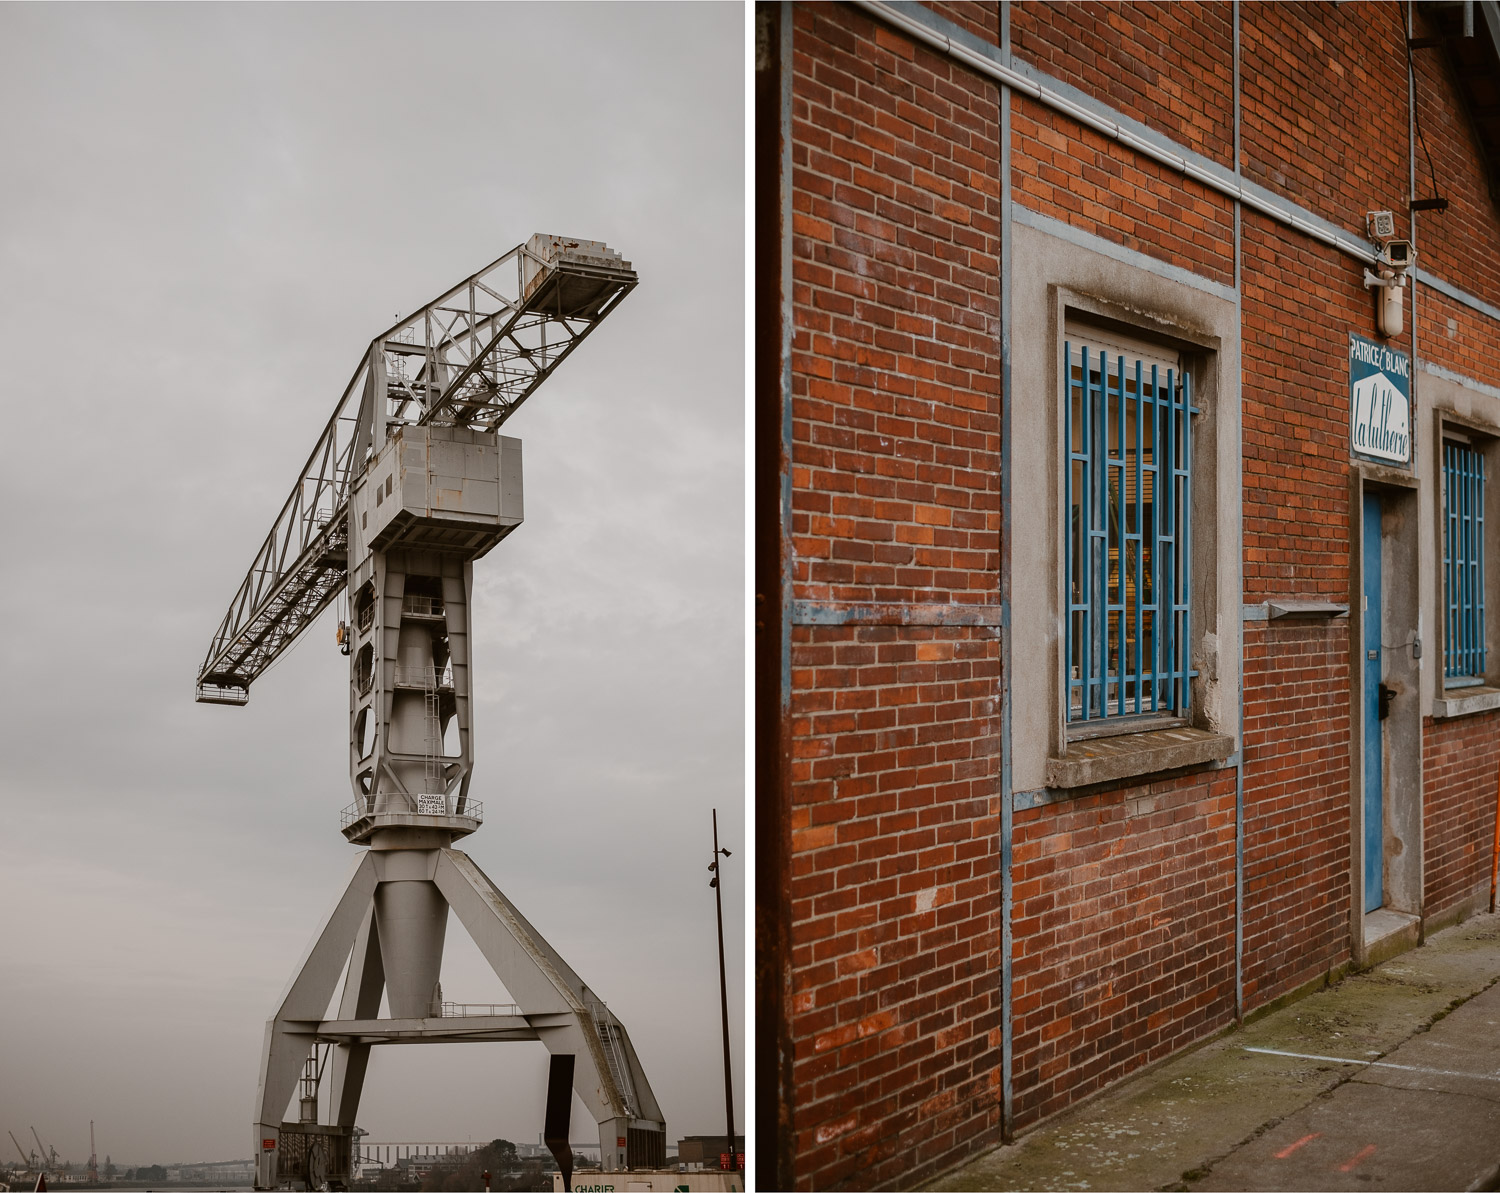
{"type": "Point", "coordinates": [408, 484]}
{"type": "Point", "coordinates": [50, 1159]}
{"type": "Point", "coordinates": [29, 1161]}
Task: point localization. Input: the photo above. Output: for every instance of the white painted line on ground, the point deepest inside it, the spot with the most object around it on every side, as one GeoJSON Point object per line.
{"type": "Point", "coordinates": [1384, 1064]}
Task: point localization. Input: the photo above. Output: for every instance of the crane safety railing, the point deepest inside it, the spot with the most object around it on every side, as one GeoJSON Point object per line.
{"type": "Point", "coordinates": [428, 679]}
{"type": "Point", "coordinates": [406, 675]}
{"type": "Point", "coordinates": [462, 1010]}
{"type": "Point", "coordinates": [454, 805]}
{"type": "Point", "coordinates": [484, 347]}
{"type": "Point", "coordinates": [416, 605]}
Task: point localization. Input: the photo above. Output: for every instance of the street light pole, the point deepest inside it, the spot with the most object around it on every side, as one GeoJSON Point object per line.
{"type": "Point", "coordinates": [734, 1162]}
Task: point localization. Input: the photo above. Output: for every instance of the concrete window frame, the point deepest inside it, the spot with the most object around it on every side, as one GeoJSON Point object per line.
{"type": "Point", "coordinates": [1466, 412]}
{"type": "Point", "coordinates": [1073, 277]}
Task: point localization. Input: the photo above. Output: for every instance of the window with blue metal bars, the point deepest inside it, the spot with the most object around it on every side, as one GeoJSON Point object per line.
{"type": "Point", "coordinates": [1463, 564]}
{"type": "Point", "coordinates": [1128, 487]}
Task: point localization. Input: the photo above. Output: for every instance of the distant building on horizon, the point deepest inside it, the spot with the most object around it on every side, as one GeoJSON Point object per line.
{"type": "Point", "coordinates": [215, 1172]}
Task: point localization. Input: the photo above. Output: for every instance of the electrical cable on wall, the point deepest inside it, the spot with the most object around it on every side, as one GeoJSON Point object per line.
{"type": "Point", "coordinates": [1437, 202]}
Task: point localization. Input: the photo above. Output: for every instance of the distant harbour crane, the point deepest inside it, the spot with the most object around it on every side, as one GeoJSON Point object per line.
{"type": "Point", "coordinates": [408, 485]}
{"type": "Point", "coordinates": [29, 1161]}
{"type": "Point", "coordinates": [49, 1161]}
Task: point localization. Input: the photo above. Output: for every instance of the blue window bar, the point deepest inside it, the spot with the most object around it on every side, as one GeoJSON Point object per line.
{"type": "Point", "coordinates": [1463, 564]}
{"type": "Point", "coordinates": [1129, 546]}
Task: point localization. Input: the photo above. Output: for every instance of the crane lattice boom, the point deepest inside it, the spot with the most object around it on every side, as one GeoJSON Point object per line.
{"type": "Point", "coordinates": [467, 359]}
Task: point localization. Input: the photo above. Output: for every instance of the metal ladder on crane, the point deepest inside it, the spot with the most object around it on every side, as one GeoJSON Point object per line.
{"type": "Point", "coordinates": [614, 1055]}
{"type": "Point", "coordinates": [433, 739]}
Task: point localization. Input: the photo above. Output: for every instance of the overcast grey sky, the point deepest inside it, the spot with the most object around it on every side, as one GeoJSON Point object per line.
{"type": "Point", "coordinates": [208, 212]}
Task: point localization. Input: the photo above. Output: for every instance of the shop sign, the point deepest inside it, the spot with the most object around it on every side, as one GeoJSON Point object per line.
{"type": "Point", "coordinates": [1379, 401]}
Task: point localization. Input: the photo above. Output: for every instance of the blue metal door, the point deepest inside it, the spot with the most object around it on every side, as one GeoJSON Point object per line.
{"type": "Point", "coordinates": [1373, 728]}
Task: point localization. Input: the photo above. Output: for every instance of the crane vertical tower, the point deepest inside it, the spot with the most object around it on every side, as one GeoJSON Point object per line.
{"type": "Point", "coordinates": [408, 485]}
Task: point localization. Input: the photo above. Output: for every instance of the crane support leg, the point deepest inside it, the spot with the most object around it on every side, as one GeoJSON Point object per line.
{"type": "Point", "coordinates": [361, 1000]}
{"type": "Point", "coordinates": [567, 1016]}
{"type": "Point", "coordinates": [292, 1030]}
{"type": "Point", "coordinates": [591, 1052]}
{"type": "Point", "coordinates": [556, 1130]}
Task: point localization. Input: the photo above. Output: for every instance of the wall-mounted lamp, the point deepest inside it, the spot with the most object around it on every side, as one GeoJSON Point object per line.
{"type": "Point", "coordinates": [1394, 259]}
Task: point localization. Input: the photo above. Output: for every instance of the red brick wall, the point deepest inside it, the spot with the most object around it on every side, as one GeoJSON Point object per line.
{"type": "Point", "coordinates": [1124, 898]}
{"type": "Point", "coordinates": [895, 471]}
{"type": "Point", "coordinates": [1299, 300]}
{"type": "Point", "coordinates": [1464, 241]}
{"type": "Point", "coordinates": [1460, 774]}
{"type": "Point", "coordinates": [1167, 65]}
{"type": "Point", "coordinates": [1124, 930]}
{"type": "Point", "coordinates": [1071, 173]}
{"type": "Point", "coordinates": [1462, 244]}
{"type": "Point", "coordinates": [1297, 805]}
{"type": "Point", "coordinates": [1456, 337]}
{"type": "Point", "coordinates": [982, 20]}
{"type": "Point", "coordinates": [895, 899]}
{"type": "Point", "coordinates": [1323, 90]}
{"type": "Point", "coordinates": [897, 295]}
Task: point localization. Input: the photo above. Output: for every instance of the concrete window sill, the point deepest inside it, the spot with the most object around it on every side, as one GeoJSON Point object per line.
{"type": "Point", "coordinates": [1463, 702]}
{"type": "Point", "coordinates": [1105, 759]}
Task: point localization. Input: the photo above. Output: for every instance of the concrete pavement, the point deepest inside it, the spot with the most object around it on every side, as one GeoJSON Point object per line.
{"type": "Point", "coordinates": [1388, 1080]}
